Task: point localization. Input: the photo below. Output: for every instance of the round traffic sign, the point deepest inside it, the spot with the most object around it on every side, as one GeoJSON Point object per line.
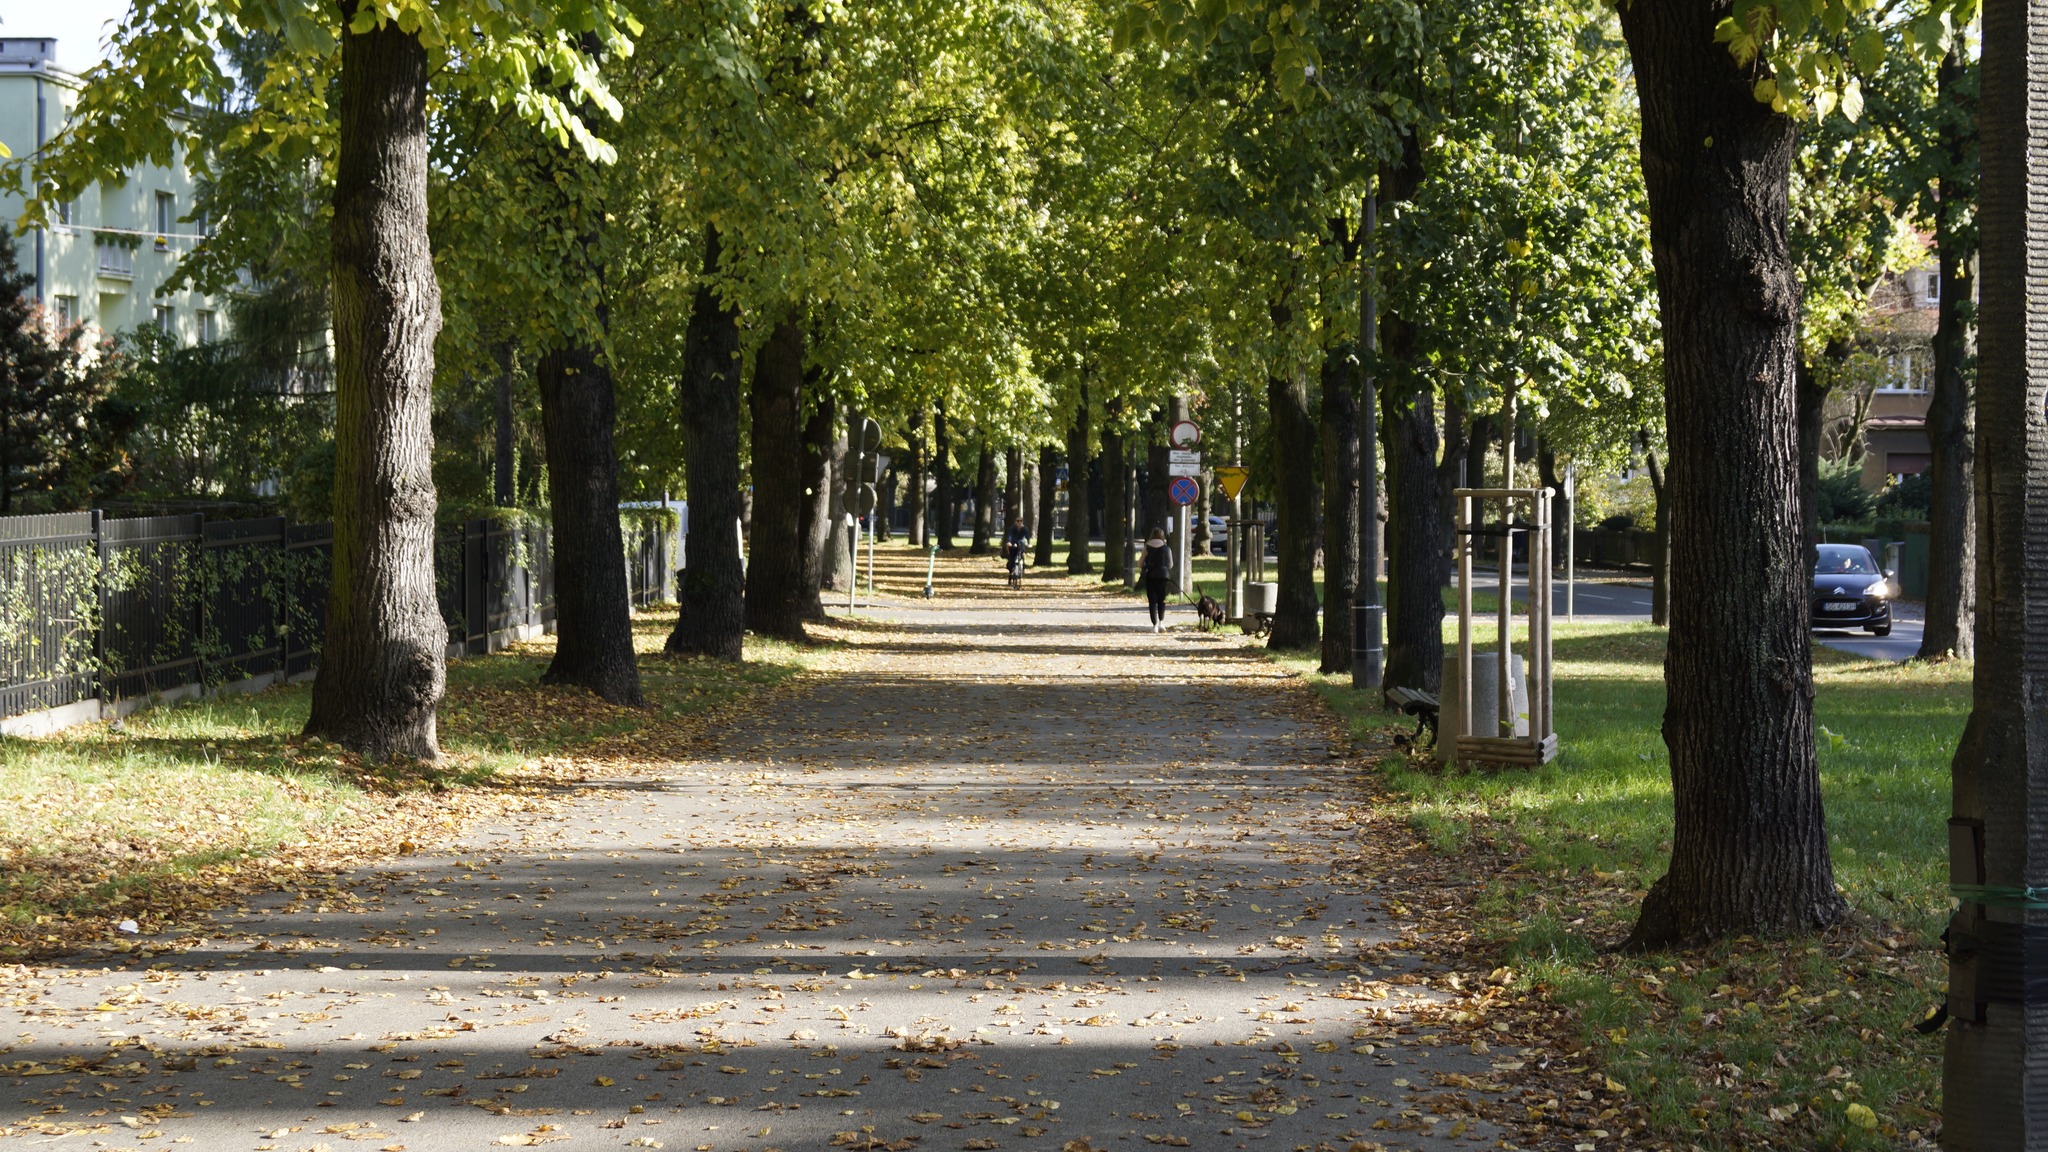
{"type": "Point", "coordinates": [864, 499]}
{"type": "Point", "coordinates": [1185, 490]}
{"type": "Point", "coordinates": [1184, 434]}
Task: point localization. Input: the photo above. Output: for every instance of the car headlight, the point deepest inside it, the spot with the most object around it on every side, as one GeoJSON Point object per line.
{"type": "Point", "coordinates": [1879, 589]}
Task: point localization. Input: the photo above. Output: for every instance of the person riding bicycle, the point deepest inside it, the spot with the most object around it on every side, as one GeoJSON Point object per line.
{"type": "Point", "coordinates": [1014, 542]}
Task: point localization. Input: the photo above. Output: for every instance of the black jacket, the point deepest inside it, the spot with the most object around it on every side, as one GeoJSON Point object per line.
{"type": "Point", "coordinates": [1158, 564]}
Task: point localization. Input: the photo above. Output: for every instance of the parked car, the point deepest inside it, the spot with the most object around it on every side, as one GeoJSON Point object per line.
{"type": "Point", "coordinates": [1219, 536]}
{"type": "Point", "coordinates": [1850, 591]}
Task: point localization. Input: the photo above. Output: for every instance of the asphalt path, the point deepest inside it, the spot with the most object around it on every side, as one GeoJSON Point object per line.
{"type": "Point", "coordinates": [1021, 875]}
{"type": "Point", "coordinates": [1614, 601]}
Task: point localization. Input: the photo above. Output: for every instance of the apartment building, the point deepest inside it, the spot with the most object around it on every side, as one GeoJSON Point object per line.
{"type": "Point", "coordinates": [108, 255]}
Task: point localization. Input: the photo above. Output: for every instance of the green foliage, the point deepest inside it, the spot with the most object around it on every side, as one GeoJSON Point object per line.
{"type": "Point", "coordinates": [1842, 496]}
{"type": "Point", "coordinates": [1909, 499]}
{"type": "Point", "coordinates": [60, 424]}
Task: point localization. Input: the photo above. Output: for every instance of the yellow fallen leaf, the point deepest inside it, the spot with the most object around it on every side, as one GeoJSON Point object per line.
{"type": "Point", "coordinates": [1861, 1116]}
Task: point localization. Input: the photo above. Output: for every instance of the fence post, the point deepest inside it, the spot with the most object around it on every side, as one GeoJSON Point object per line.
{"type": "Point", "coordinates": [99, 624]}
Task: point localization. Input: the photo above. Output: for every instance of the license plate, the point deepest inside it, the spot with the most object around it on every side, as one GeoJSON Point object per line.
{"type": "Point", "coordinates": [1840, 607]}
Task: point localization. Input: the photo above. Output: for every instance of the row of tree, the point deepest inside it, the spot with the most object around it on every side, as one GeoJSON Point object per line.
{"type": "Point", "coordinates": [717, 233]}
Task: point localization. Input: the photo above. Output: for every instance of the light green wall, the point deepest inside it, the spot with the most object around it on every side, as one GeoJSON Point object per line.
{"type": "Point", "coordinates": [123, 214]}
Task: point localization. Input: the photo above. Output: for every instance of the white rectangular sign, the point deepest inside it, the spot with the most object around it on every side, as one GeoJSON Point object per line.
{"type": "Point", "coordinates": [1183, 463]}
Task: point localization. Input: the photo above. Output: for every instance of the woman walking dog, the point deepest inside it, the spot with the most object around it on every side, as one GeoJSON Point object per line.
{"type": "Point", "coordinates": [1158, 571]}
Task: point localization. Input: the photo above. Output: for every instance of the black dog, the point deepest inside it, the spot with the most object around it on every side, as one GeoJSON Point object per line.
{"type": "Point", "coordinates": [1210, 612]}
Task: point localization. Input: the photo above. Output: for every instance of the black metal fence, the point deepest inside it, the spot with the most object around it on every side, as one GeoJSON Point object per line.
{"type": "Point", "coordinates": [106, 610]}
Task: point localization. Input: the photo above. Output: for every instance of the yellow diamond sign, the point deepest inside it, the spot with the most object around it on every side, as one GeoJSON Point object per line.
{"type": "Point", "coordinates": [1232, 479]}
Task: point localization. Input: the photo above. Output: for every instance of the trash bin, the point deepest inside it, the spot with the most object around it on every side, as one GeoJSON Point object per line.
{"type": "Point", "coordinates": [1485, 700]}
{"type": "Point", "coordinates": [1261, 598]}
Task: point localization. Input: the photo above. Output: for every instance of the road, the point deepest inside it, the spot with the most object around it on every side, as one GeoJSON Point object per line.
{"type": "Point", "coordinates": [1611, 600]}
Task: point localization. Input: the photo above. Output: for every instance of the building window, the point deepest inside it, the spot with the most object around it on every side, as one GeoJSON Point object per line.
{"type": "Point", "coordinates": [1931, 293]}
{"type": "Point", "coordinates": [209, 330]}
{"type": "Point", "coordinates": [67, 311]}
{"type": "Point", "coordinates": [166, 319]}
{"type": "Point", "coordinates": [1909, 370]}
{"type": "Point", "coordinates": [67, 212]}
{"type": "Point", "coordinates": [115, 258]}
{"type": "Point", "coordinates": [166, 213]}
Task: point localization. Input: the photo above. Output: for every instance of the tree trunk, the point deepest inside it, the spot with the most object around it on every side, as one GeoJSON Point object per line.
{"type": "Point", "coordinates": [593, 605]}
{"type": "Point", "coordinates": [1078, 561]}
{"type": "Point", "coordinates": [1340, 503]}
{"type": "Point", "coordinates": [775, 566]}
{"type": "Point", "coordinates": [1812, 397]}
{"type": "Point", "coordinates": [1158, 501]}
{"type": "Point", "coordinates": [917, 500]}
{"type": "Point", "coordinates": [1013, 487]}
{"type": "Point", "coordinates": [381, 665]}
{"type": "Point", "coordinates": [1749, 837]}
{"type": "Point", "coordinates": [1048, 498]}
{"type": "Point", "coordinates": [1951, 417]}
{"type": "Point", "coordinates": [942, 509]}
{"type": "Point", "coordinates": [503, 447]}
{"type": "Point", "coordinates": [842, 483]}
{"type": "Point", "coordinates": [1451, 475]}
{"type": "Point", "coordinates": [1560, 504]}
{"type": "Point", "coordinates": [1114, 500]}
{"type": "Point", "coordinates": [984, 499]}
{"type": "Point", "coordinates": [1992, 1073]}
{"type": "Point", "coordinates": [1415, 539]}
{"type": "Point", "coordinates": [1660, 542]}
{"type": "Point", "coordinates": [886, 514]}
{"type": "Point", "coordinates": [814, 522]}
{"type": "Point", "coordinates": [1294, 497]}
{"type": "Point", "coordinates": [711, 615]}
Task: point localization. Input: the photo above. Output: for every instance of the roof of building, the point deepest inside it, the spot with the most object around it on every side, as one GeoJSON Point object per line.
{"type": "Point", "coordinates": [34, 54]}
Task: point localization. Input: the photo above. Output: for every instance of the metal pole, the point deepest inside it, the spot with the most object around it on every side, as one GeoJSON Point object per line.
{"type": "Point", "coordinates": [1505, 585]}
{"type": "Point", "coordinates": [1571, 544]}
{"type": "Point", "coordinates": [1368, 658]}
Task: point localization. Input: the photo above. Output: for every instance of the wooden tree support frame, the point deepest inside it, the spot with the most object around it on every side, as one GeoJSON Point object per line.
{"type": "Point", "coordinates": [1540, 745]}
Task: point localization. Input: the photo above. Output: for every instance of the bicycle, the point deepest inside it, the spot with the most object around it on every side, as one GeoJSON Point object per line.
{"type": "Point", "coordinates": [1016, 565]}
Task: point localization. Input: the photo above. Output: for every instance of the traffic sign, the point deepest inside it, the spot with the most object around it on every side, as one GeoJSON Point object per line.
{"type": "Point", "coordinates": [1183, 463]}
{"type": "Point", "coordinates": [1185, 490]}
{"type": "Point", "coordinates": [864, 499]}
{"type": "Point", "coordinates": [1184, 434]}
{"type": "Point", "coordinates": [1232, 479]}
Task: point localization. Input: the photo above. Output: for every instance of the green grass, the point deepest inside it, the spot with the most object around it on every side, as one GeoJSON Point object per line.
{"type": "Point", "coordinates": [1710, 1041]}
{"type": "Point", "coordinates": [109, 821]}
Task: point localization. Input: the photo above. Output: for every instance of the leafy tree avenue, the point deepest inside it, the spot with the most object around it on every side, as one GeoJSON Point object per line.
{"type": "Point", "coordinates": [679, 251]}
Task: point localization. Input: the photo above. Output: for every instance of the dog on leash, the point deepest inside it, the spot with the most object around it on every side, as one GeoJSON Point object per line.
{"type": "Point", "coordinates": [1210, 612]}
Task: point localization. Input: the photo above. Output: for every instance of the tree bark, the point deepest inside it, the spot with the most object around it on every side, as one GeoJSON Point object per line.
{"type": "Point", "coordinates": [1013, 486]}
{"type": "Point", "coordinates": [775, 564]}
{"type": "Point", "coordinates": [984, 499]}
{"type": "Point", "coordinates": [1991, 1076]}
{"type": "Point", "coordinates": [1294, 497]}
{"type": "Point", "coordinates": [942, 510]}
{"type": "Point", "coordinates": [381, 665]}
{"type": "Point", "coordinates": [1048, 498]}
{"type": "Point", "coordinates": [842, 483]}
{"type": "Point", "coordinates": [1415, 538]}
{"type": "Point", "coordinates": [1078, 561]}
{"type": "Point", "coordinates": [1660, 541]}
{"type": "Point", "coordinates": [711, 615]}
{"type": "Point", "coordinates": [1749, 836]}
{"type": "Point", "coordinates": [918, 499]}
{"type": "Point", "coordinates": [1114, 501]}
{"type": "Point", "coordinates": [815, 522]}
{"type": "Point", "coordinates": [1158, 501]}
{"type": "Point", "coordinates": [1340, 502]}
{"type": "Point", "coordinates": [1951, 417]}
{"type": "Point", "coordinates": [593, 605]}
{"type": "Point", "coordinates": [1812, 397]}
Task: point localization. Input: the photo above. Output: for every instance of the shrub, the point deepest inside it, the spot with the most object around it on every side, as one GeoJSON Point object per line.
{"type": "Point", "coordinates": [1842, 496]}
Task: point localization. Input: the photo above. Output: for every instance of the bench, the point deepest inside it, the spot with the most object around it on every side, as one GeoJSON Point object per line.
{"type": "Point", "coordinates": [1421, 705]}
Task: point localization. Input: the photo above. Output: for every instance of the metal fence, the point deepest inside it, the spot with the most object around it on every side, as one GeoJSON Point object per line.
{"type": "Point", "coordinates": [97, 611]}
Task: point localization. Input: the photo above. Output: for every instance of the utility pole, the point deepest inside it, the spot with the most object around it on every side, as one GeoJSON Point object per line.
{"type": "Point", "coordinates": [1368, 658]}
{"type": "Point", "coordinates": [1995, 1070]}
